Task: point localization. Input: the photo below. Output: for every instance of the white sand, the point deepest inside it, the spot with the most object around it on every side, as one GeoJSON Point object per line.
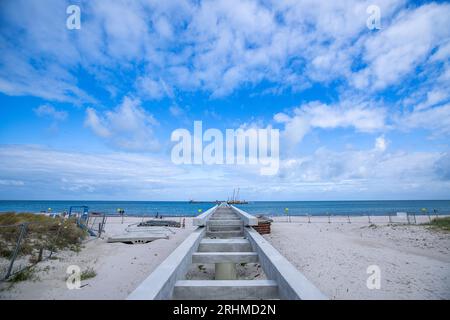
{"type": "Point", "coordinates": [414, 260]}
{"type": "Point", "coordinates": [120, 267]}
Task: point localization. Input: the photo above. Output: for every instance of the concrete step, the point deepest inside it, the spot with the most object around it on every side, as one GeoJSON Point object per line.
{"type": "Point", "coordinates": [225, 245]}
{"type": "Point", "coordinates": [220, 213]}
{"type": "Point", "coordinates": [220, 257]}
{"type": "Point", "coordinates": [232, 222]}
{"type": "Point", "coordinates": [224, 218]}
{"type": "Point", "coordinates": [225, 289]}
{"type": "Point", "coordinates": [225, 234]}
{"type": "Point", "coordinates": [225, 228]}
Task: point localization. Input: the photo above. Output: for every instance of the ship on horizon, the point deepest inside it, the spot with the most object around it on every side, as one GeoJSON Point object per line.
{"type": "Point", "coordinates": [235, 198]}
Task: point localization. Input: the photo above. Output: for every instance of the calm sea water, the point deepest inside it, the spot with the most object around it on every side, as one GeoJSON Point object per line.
{"type": "Point", "coordinates": [176, 208]}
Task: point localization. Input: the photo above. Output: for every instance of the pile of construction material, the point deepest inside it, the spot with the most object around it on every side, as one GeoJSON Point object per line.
{"type": "Point", "coordinates": [146, 231]}
{"type": "Point", "coordinates": [263, 226]}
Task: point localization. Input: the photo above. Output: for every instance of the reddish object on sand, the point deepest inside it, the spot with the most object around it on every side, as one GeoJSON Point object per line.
{"type": "Point", "coordinates": [263, 226]}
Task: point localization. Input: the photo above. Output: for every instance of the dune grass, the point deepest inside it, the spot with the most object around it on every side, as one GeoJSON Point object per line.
{"type": "Point", "coordinates": [23, 275]}
{"type": "Point", "coordinates": [42, 233]}
{"type": "Point", "coordinates": [441, 223]}
{"type": "Point", "coordinates": [88, 274]}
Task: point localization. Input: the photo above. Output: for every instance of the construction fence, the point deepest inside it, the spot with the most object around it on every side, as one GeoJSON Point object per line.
{"type": "Point", "coordinates": [23, 245]}
{"type": "Point", "coordinates": [397, 218]}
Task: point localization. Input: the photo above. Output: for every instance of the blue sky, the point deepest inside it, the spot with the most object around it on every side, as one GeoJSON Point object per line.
{"type": "Point", "coordinates": [88, 114]}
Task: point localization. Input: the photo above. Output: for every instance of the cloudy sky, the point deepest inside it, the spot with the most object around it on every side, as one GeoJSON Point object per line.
{"type": "Point", "coordinates": [88, 114]}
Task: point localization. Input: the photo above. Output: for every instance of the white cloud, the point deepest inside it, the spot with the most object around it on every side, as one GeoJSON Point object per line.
{"type": "Point", "coordinates": [442, 167]}
{"type": "Point", "coordinates": [350, 174]}
{"type": "Point", "coordinates": [155, 89]}
{"type": "Point", "coordinates": [403, 45]}
{"type": "Point", "coordinates": [128, 126]}
{"type": "Point", "coordinates": [176, 111]}
{"type": "Point", "coordinates": [380, 144]}
{"type": "Point", "coordinates": [124, 25]}
{"type": "Point", "coordinates": [15, 183]}
{"type": "Point", "coordinates": [313, 115]}
{"type": "Point", "coordinates": [38, 52]}
{"type": "Point", "coordinates": [377, 173]}
{"type": "Point", "coordinates": [436, 119]}
{"type": "Point", "coordinates": [434, 97]}
{"type": "Point", "coordinates": [215, 47]}
{"type": "Point", "coordinates": [93, 122]}
{"type": "Point", "coordinates": [49, 173]}
{"type": "Point", "coordinates": [50, 111]}
{"type": "Point", "coordinates": [161, 48]}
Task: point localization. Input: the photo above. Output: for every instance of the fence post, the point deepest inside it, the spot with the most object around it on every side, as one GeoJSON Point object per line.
{"type": "Point", "coordinates": [348, 216]}
{"type": "Point", "coordinates": [56, 238]}
{"type": "Point", "coordinates": [389, 215]}
{"type": "Point", "coordinates": [41, 251]}
{"type": "Point", "coordinates": [368, 216]}
{"type": "Point", "coordinates": [16, 250]}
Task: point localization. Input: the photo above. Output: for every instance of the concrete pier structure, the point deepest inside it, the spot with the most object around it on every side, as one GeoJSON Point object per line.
{"type": "Point", "coordinates": [225, 237]}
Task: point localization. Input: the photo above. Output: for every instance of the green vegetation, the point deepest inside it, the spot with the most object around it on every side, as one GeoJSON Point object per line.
{"type": "Point", "coordinates": [441, 223]}
{"type": "Point", "coordinates": [87, 274]}
{"type": "Point", "coordinates": [23, 275]}
{"type": "Point", "coordinates": [42, 233]}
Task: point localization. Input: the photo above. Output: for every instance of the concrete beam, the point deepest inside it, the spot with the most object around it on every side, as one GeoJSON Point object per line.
{"type": "Point", "coordinates": [201, 219]}
{"type": "Point", "coordinates": [221, 257]}
{"type": "Point", "coordinates": [225, 289]}
{"type": "Point", "coordinates": [248, 219]}
{"type": "Point", "coordinates": [225, 245]}
{"type": "Point", "coordinates": [292, 284]}
{"type": "Point", "coordinates": [160, 283]}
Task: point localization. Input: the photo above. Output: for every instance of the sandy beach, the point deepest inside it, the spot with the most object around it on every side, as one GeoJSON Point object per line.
{"type": "Point", "coordinates": [414, 260]}
{"type": "Point", "coordinates": [120, 267]}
